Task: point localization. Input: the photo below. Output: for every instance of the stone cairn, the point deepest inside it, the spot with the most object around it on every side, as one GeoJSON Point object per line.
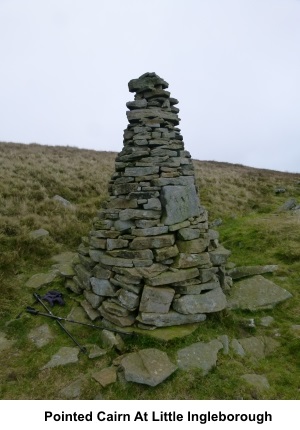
{"type": "Point", "coordinates": [151, 259]}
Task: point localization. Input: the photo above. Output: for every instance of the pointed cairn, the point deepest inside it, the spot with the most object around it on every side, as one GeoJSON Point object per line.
{"type": "Point", "coordinates": [151, 259]}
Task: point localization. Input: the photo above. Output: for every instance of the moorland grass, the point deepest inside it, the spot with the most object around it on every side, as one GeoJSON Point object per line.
{"type": "Point", "coordinates": [253, 228]}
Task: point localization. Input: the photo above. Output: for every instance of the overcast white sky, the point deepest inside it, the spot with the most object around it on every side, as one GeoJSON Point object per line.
{"type": "Point", "coordinates": [234, 66]}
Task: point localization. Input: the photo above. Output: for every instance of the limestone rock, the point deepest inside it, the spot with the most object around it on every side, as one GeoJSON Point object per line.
{"type": "Point", "coordinates": [256, 293]}
{"type": "Point", "coordinates": [106, 376]}
{"type": "Point", "coordinates": [169, 319]}
{"type": "Point", "coordinates": [65, 355]}
{"type": "Point", "coordinates": [148, 366]}
{"type": "Point", "coordinates": [212, 301]}
{"type": "Point", "coordinates": [41, 335]}
{"type": "Point", "coordinates": [259, 382]}
{"type": "Point", "coordinates": [38, 234]}
{"type": "Point", "coordinates": [41, 279]}
{"type": "Point", "coordinates": [72, 390]}
{"type": "Point", "coordinates": [199, 355]}
{"type": "Point", "coordinates": [244, 271]}
{"type": "Point", "coordinates": [179, 203]}
{"type": "Point", "coordinates": [157, 300]}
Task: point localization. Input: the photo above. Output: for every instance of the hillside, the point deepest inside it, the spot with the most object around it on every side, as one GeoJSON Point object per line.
{"type": "Point", "coordinates": [252, 227]}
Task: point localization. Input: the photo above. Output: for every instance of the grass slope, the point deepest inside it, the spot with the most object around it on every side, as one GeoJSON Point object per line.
{"type": "Point", "coordinates": [253, 229]}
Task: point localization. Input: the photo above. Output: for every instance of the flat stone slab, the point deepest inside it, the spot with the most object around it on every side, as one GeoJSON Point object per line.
{"type": "Point", "coordinates": [73, 390]}
{"type": "Point", "coordinates": [64, 257]}
{"type": "Point", "coordinates": [169, 319]}
{"type": "Point", "coordinates": [38, 234]}
{"type": "Point", "coordinates": [260, 382]}
{"type": "Point", "coordinates": [66, 355]}
{"type": "Point", "coordinates": [148, 366]}
{"type": "Point", "coordinates": [4, 342]}
{"type": "Point", "coordinates": [41, 335]}
{"type": "Point", "coordinates": [256, 347]}
{"type": "Point", "coordinates": [244, 271]}
{"type": "Point", "coordinates": [41, 279]}
{"type": "Point", "coordinates": [65, 269]}
{"type": "Point", "coordinates": [106, 376]}
{"type": "Point", "coordinates": [212, 301]}
{"type": "Point", "coordinates": [95, 351]}
{"type": "Point", "coordinates": [199, 355]}
{"type": "Point", "coordinates": [256, 293]}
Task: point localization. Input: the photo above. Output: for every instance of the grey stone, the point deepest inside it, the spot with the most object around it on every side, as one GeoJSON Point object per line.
{"type": "Point", "coordinates": [244, 271]}
{"type": "Point", "coordinates": [219, 256]}
{"type": "Point", "coordinates": [122, 203]}
{"type": "Point", "coordinates": [132, 214]}
{"type": "Point", "coordinates": [106, 376]}
{"type": "Point", "coordinates": [196, 288]}
{"type": "Point", "coordinates": [41, 279]}
{"type": "Point", "coordinates": [64, 257]}
{"type": "Point", "coordinates": [258, 347]}
{"type": "Point", "coordinates": [148, 366]}
{"type": "Point", "coordinates": [224, 339]}
{"type": "Point", "coordinates": [116, 319]}
{"type": "Point", "coordinates": [95, 351]}
{"type": "Point", "coordinates": [92, 313]}
{"type": "Point", "coordinates": [179, 203]}
{"type": "Point", "coordinates": [141, 171]}
{"type": "Point", "coordinates": [72, 390]}
{"type": "Point", "coordinates": [65, 269]}
{"type": "Point", "coordinates": [128, 299]}
{"type": "Point", "coordinates": [94, 299]}
{"type": "Point", "coordinates": [64, 202]}
{"type": "Point", "coordinates": [115, 309]}
{"type": "Point", "coordinates": [259, 382]}
{"type": "Point", "coordinates": [150, 231]}
{"type": "Point", "coordinates": [266, 321]}
{"type": "Point", "coordinates": [83, 275]}
{"type": "Point", "coordinates": [188, 233]}
{"type": "Point", "coordinates": [38, 234]}
{"type": "Point", "coordinates": [116, 244]}
{"type": "Point", "coordinates": [112, 340]}
{"type": "Point", "coordinates": [140, 114]}
{"type": "Point", "coordinates": [103, 287]}
{"type": "Point", "coordinates": [41, 335]}
{"type": "Point", "coordinates": [153, 242]}
{"type": "Point", "coordinates": [253, 346]}
{"type": "Point", "coordinates": [289, 205]}
{"type": "Point", "coordinates": [199, 355]}
{"type": "Point", "coordinates": [153, 203]}
{"type": "Point", "coordinates": [186, 181]}
{"type": "Point", "coordinates": [170, 277]}
{"type": "Point", "coordinates": [97, 243]}
{"type": "Point", "coordinates": [137, 104]}
{"type": "Point", "coordinates": [156, 300]}
{"type": "Point", "coordinates": [186, 260]}
{"type": "Point", "coordinates": [65, 355]}
{"type": "Point", "coordinates": [162, 254]}
{"type": "Point", "coordinates": [212, 301]}
{"type": "Point", "coordinates": [179, 225]}
{"type": "Point", "coordinates": [171, 318]}
{"type": "Point", "coordinates": [113, 261]}
{"type": "Point", "coordinates": [132, 254]}
{"type": "Point", "coordinates": [256, 293]}
{"type": "Point", "coordinates": [237, 347]}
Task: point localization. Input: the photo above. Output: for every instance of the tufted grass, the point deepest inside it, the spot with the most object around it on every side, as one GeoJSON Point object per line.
{"type": "Point", "coordinates": [253, 229]}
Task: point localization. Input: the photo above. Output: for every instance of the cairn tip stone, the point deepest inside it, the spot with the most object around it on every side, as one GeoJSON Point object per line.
{"type": "Point", "coordinates": [151, 260]}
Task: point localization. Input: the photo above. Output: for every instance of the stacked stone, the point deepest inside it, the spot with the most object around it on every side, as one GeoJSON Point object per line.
{"type": "Point", "coordinates": [151, 259]}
